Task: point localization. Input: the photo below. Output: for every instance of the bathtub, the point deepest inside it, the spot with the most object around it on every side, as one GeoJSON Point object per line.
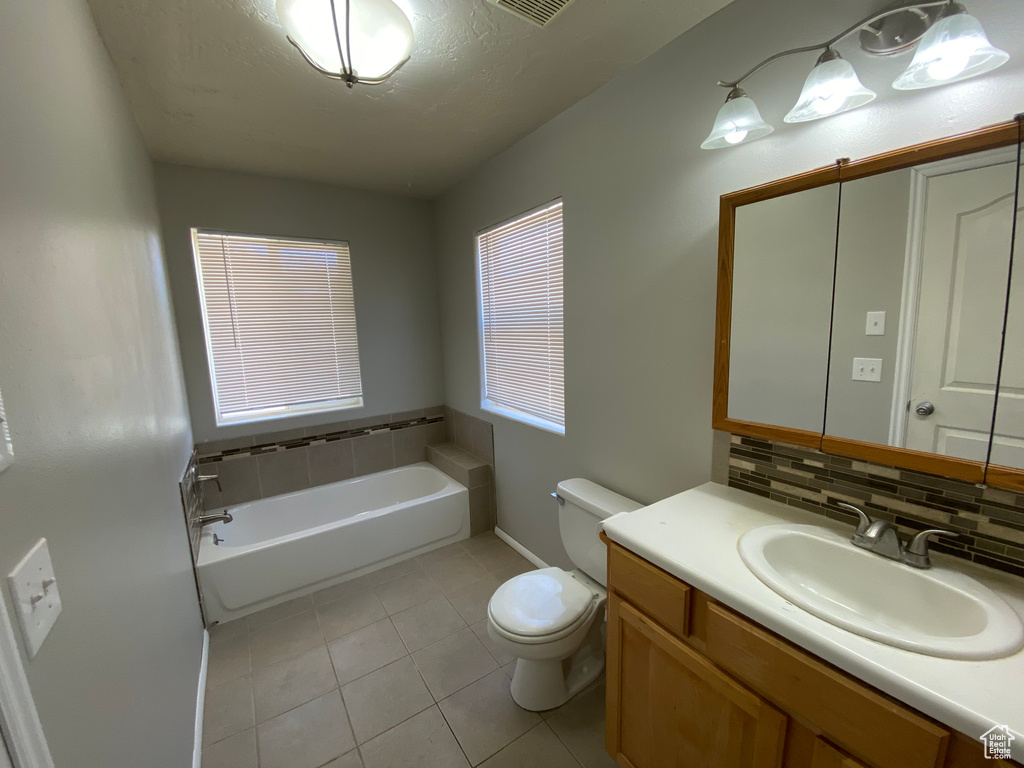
{"type": "Point", "coordinates": [288, 546]}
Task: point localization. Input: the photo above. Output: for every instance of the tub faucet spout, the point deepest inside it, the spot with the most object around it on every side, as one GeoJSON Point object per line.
{"type": "Point", "coordinates": [220, 517]}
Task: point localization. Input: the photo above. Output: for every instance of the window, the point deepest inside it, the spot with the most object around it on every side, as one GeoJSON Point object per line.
{"type": "Point", "coordinates": [280, 325]}
{"type": "Point", "coordinates": [521, 318]}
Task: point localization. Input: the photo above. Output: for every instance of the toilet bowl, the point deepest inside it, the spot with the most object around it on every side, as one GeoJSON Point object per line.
{"type": "Point", "coordinates": [552, 620]}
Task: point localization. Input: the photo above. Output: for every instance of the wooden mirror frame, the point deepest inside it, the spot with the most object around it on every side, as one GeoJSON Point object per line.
{"type": "Point", "coordinates": [1000, 135]}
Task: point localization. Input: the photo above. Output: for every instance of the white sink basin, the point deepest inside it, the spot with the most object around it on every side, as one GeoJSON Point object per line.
{"type": "Point", "coordinates": [938, 611]}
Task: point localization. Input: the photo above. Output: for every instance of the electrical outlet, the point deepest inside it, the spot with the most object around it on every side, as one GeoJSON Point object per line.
{"type": "Point", "coordinates": [36, 599]}
{"type": "Point", "coordinates": [867, 369]}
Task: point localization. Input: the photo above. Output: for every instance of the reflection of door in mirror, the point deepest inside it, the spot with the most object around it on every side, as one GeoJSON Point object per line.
{"type": "Point", "coordinates": [929, 246]}
{"type": "Point", "coordinates": [1008, 435]}
{"type": "Point", "coordinates": [784, 253]}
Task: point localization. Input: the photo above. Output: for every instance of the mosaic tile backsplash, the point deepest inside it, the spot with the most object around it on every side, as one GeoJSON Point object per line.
{"type": "Point", "coordinates": [990, 521]}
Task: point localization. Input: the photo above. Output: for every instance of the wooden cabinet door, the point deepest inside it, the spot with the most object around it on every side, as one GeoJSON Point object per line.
{"type": "Point", "coordinates": [669, 707]}
{"type": "Point", "coordinates": [827, 756]}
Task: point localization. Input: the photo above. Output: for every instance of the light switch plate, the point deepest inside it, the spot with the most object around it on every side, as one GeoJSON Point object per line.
{"type": "Point", "coordinates": [867, 369]}
{"type": "Point", "coordinates": [876, 324]}
{"type": "Point", "coordinates": [36, 599]}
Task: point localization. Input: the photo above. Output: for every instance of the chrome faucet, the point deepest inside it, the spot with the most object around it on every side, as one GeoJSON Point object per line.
{"type": "Point", "coordinates": [880, 537]}
{"type": "Point", "coordinates": [210, 478]}
{"type": "Point", "coordinates": [220, 517]}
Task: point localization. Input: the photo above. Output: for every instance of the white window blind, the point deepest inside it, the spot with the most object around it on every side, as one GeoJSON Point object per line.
{"type": "Point", "coordinates": [280, 325]}
{"type": "Point", "coordinates": [522, 319]}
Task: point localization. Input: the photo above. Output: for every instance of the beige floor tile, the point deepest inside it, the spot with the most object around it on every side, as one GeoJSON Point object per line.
{"type": "Point", "coordinates": [406, 591]}
{"type": "Point", "coordinates": [478, 541]}
{"type": "Point", "coordinates": [227, 710]}
{"type": "Point", "coordinates": [453, 663]}
{"type": "Point", "coordinates": [454, 571]}
{"type": "Point", "coordinates": [366, 650]}
{"type": "Point", "coordinates": [510, 668]}
{"type": "Point", "coordinates": [393, 571]}
{"type": "Point", "coordinates": [349, 614]}
{"type": "Point", "coordinates": [284, 639]}
{"type": "Point", "coordinates": [229, 629]}
{"type": "Point", "coordinates": [537, 748]}
{"type": "Point", "coordinates": [307, 736]}
{"type": "Point", "coordinates": [229, 658]}
{"type": "Point", "coordinates": [383, 699]}
{"type": "Point", "coordinates": [427, 623]}
{"type": "Point", "coordinates": [238, 751]}
{"type": "Point", "coordinates": [484, 718]}
{"type": "Point", "coordinates": [281, 611]}
{"type": "Point", "coordinates": [350, 760]}
{"type": "Point", "coordinates": [522, 566]}
{"type": "Point", "coordinates": [438, 555]}
{"type": "Point", "coordinates": [580, 725]}
{"type": "Point", "coordinates": [471, 599]}
{"type": "Point", "coordinates": [423, 741]}
{"type": "Point", "coordinates": [285, 685]}
{"type": "Point", "coordinates": [348, 588]}
{"type": "Point", "coordinates": [500, 655]}
{"type": "Point", "coordinates": [499, 557]}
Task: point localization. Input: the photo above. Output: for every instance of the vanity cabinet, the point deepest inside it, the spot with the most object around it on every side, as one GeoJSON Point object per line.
{"type": "Point", "coordinates": [692, 683]}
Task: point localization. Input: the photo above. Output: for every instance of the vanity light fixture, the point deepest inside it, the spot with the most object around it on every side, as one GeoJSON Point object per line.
{"type": "Point", "coordinates": [738, 121]}
{"type": "Point", "coordinates": [831, 88]}
{"type": "Point", "coordinates": [355, 41]}
{"type": "Point", "coordinates": [953, 47]}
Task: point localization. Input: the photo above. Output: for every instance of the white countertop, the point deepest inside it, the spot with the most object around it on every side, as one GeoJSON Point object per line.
{"type": "Point", "coordinates": [694, 534]}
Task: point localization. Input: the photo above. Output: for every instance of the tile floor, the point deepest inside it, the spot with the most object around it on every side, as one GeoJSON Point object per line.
{"type": "Point", "coordinates": [389, 670]}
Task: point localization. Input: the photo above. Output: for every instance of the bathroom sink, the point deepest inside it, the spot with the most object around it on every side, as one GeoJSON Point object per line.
{"type": "Point", "coordinates": [937, 612]}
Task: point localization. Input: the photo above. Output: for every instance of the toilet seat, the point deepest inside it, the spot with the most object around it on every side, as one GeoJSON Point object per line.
{"type": "Point", "coordinates": [541, 606]}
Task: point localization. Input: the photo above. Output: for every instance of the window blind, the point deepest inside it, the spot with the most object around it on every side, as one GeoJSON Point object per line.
{"type": "Point", "coordinates": [280, 325]}
{"type": "Point", "coordinates": [522, 318]}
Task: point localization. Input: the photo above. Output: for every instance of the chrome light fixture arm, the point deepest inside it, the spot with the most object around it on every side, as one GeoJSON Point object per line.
{"type": "Point", "coordinates": [862, 24]}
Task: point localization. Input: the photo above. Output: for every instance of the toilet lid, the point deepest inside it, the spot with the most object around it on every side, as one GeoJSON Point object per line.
{"type": "Point", "coordinates": [539, 602]}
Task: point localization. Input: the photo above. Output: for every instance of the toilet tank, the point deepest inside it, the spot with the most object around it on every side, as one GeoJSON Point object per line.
{"type": "Point", "coordinates": [585, 505]}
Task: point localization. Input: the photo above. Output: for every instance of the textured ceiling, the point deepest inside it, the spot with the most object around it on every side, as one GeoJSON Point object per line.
{"type": "Point", "coordinates": [215, 83]}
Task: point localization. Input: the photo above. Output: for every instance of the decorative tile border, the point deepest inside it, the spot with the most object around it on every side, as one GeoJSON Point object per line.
{"type": "Point", "coordinates": [273, 446]}
{"type": "Point", "coordinates": [990, 521]}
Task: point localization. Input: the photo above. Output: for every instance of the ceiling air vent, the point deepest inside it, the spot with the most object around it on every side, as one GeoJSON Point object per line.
{"type": "Point", "coordinates": [539, 12]}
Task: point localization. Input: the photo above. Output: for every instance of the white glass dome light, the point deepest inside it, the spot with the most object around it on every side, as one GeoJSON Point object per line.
{"type": "Point", "coordinates": [954, 49]}
{"type": "Point", "coordinates": [738, 122]}
{"type": "Point", "coordinates": [375, 35]}
{"type": "Point", "coordinates": [831, 87]}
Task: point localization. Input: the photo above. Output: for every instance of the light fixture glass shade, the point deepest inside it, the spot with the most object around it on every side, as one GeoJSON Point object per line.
{"type": "Point", "coordinates": [954, 49]}
{"type": "Point", "coordinates": [738, 122]}
{"type": "Point", "coordinates": [831, 87]}
{"type": "Point", "coordinates": [378, 42]}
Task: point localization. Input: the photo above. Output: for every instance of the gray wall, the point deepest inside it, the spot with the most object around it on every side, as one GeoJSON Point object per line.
{"type": "Point", "coordinates": [93, 391]}
{"type": "Point", "coordinates": [869, 278]}
{"type": "Point", "coordinates": [784, 253]}
{"type": "Point", "coordinates": [393, 270]}
{"type": "Point", "coordinates": [641, 221]}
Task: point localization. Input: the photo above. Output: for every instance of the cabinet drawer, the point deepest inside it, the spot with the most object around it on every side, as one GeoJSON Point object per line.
{"type": "Point", "coordinates": [660, 595]}
{"type": "Point", "coordinates": [858, 719]}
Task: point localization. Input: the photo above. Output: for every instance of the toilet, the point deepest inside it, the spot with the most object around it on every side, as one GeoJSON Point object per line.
{"type": "Point", "coordinates": [552, 620]}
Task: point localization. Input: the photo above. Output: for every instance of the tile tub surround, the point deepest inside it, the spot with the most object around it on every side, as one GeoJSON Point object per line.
{"type": "Point", "coordinates": [393, 669]}
{"type": "Point", "coordinates": [990, 521]}
{"type": "Point", "coordinates": [474, 473]}
{"type": "Point", "coordinates": [259, 466]}
{"type": "Point", "coordinates": [193, 506]}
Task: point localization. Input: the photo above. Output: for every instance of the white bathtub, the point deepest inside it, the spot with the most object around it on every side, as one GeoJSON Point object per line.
{"type": "Point", "coordinates": [288, 546]}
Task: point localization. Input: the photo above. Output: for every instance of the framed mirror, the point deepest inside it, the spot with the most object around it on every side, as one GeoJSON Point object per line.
{"type": "Point", "coordinates": [903, 368]}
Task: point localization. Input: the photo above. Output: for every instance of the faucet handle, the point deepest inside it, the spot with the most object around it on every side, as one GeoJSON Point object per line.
{"type": "Point", "coordinates": [864, 523]}
{"type": "Point", "coordinates": [916, 553]}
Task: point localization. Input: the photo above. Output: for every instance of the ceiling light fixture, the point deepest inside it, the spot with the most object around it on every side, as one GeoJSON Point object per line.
{"type": "Point", "coordinates": [953, 47]}
{"type": "Point", "coordinates": [355, 41]}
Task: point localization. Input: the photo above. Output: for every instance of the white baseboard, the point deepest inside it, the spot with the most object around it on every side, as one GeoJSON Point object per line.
{"type": "Point", "coordinates": [197, 746]}
{"type": "Point", "coordinates": [520, 548]}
